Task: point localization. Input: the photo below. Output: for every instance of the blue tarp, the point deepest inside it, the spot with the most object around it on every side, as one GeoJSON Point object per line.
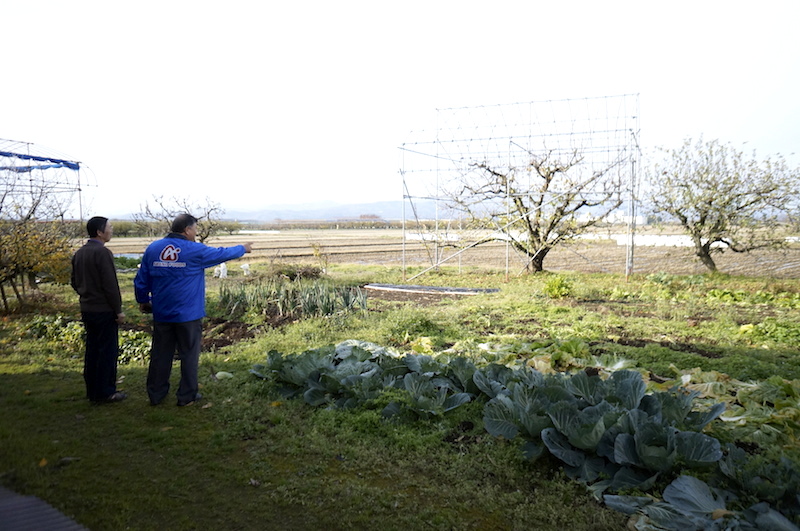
{"type": "Point", "coordinates": [26, 169]}
{"type": "Point", "coordinates": [59, 163]}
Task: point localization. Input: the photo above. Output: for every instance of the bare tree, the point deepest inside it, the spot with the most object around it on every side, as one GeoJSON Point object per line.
{"type": "Point", "coordinates": [162, 211]}
{"type": "Point", "coordinates": [230, 227]}
{"type": "Point", "coordinates": [538, 207]}
{"type": "Point", "coordinates": [723, 200]}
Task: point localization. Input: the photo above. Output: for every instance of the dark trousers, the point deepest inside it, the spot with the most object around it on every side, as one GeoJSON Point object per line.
{"type": "Point", "coordinates": [102, 351]}
{"type": "Point", "coordinates": [169, 338]}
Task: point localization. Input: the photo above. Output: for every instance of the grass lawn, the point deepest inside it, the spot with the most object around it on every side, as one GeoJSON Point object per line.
{"type": "Point", "coordinates": [245, 457]}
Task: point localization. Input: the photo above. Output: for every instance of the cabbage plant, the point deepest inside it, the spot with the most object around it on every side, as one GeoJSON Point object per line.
{"type": "Point", "coordinates": [609, 433]}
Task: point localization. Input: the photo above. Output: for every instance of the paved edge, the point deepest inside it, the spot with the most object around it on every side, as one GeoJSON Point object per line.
{"type": "Point", "coordinates": [24, 513]}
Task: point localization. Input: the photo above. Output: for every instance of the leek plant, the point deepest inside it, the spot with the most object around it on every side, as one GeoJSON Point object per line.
{"type": "Point", "coordinates": [288, 298]}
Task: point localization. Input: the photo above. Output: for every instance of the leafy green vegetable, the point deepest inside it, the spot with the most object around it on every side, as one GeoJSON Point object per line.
{"type": "Point", "coordinates": [689, 503]}
{"type": "Point", "coordinates": [611, 429]}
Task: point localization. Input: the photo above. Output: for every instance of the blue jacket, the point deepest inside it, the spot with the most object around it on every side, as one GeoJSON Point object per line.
{"type": "Point", "coordinates": [172, 277]}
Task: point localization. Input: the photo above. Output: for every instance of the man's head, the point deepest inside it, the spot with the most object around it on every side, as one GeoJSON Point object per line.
{"type": "Point", "coordinates": [183, 223]}
{"type": "Point", "coordinates": [99, 227]}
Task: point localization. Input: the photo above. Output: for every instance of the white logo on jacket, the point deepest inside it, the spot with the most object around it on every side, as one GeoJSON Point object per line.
{"type": "Point", "coordinates": [169, 257]}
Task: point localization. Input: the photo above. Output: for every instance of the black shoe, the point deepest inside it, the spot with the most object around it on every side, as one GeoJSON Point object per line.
{"type": "Point", "coordinates": [197, 397]}
{"type": "Point", "coordinates": [119, 396]}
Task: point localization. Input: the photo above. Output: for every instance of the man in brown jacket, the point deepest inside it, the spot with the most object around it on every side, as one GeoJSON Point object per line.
{"type": "Point", "coordinates": [94, 278]}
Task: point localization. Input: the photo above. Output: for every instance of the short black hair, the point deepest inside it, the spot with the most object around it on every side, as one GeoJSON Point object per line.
{"type": "Point", "coordinates": [182, 221]}
{"type": "Point", "coordinates": [95, 225]}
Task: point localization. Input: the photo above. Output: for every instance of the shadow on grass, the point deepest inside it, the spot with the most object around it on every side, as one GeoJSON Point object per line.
{"type": "Point", "coordinates": [122, 465]}
{"type": "Point", "coordinates": [243, 458]}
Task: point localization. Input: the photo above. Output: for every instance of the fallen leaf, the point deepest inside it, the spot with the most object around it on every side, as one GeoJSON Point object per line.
{"type": "Point", "coordinates": [43, 462]}
{"type": "Point", "coordinates": [206, 405]}
{"type": "Point", "coordinates": [720, 513]}
{"type": "Point", "coordinates": [255, 482]}
{"type": "Point", "coordinates": [166, 428]}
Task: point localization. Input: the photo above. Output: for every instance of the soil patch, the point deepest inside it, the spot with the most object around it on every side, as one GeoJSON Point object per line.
{"type": "Point", "coordinates": [218, 333]}
{"type": "Point", "coordinates": [417, 298]}
{"type": "Point", "coordinates": [421, 295]}
{"type": "Point", "coordinates": [678, 347]}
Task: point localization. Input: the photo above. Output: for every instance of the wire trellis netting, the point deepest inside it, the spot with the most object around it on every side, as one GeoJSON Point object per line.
{"type": "Point", "coordinates": [597, 139]}
{"type": "Point", "coordinates": [39, 182]}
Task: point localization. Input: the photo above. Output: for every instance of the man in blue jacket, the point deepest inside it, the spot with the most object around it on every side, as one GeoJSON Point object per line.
{"type": "Point", "coordinates": [171, 284]}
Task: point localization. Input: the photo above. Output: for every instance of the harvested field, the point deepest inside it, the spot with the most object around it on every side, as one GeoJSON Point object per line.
{"type": "Point", "coordinates": [385, 246]}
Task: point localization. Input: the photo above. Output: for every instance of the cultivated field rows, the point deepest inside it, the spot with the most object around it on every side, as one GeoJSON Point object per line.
{"type": "Point", "coordinates": [385, 246]}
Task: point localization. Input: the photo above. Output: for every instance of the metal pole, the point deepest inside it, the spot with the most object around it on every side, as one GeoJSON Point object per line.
{"type": "Point", "coordinates": [631, 222]}
{"type": "Point", "coordinates": [403, 195]}
{"type": "Point", "coordinates": [632, 227]}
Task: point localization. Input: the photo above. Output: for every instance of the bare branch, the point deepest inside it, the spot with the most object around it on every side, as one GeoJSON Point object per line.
{"type": "Point", "coordinates": [538, 206]}
{"type": "Point", "coordinates": [163, 210]}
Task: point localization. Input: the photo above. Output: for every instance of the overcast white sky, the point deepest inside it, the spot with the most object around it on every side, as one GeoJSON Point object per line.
{"type": "Point", "coordinates": [255, 103]}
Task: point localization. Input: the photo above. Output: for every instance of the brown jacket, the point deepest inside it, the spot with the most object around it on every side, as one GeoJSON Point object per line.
{"type": "Point", "coordinates": [94, 277]}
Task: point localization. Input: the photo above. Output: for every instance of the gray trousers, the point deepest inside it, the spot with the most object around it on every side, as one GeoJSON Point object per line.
{"type": "Point", "coordinates": [169, 338]}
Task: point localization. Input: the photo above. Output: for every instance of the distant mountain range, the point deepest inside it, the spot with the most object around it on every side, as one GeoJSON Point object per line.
{"type": "Point", "coordinates": [386, 210]}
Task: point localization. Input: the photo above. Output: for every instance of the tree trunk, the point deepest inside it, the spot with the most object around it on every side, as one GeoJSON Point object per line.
{"type": "Point", "coordinates": [536, 262]}
{"type": "Point", "coordinates": [703, 252]}
{"type": "Point", "coordinates": [5, 300]}
{"type": "Point", "coordinates": [20, 296]}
